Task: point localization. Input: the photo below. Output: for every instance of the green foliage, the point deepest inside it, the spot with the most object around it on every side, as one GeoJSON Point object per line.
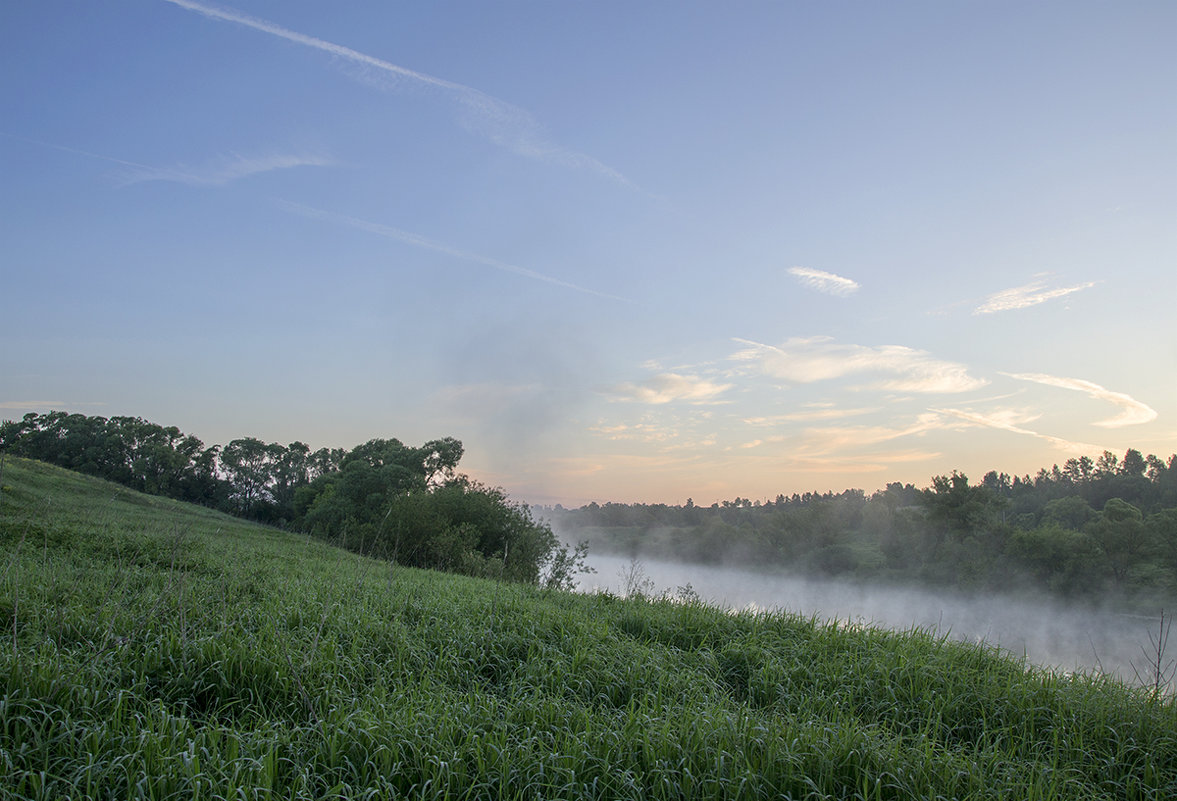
{"type": "Point", "coordinates": [249, 463]}
{"type": "Point", "coordinates": [247, 477]}
{"type": "Point", "coordinates": [151, 650]}
{"type": "Point", "coordinates": [562, 566]}
{"type": "Point", "coordinates": [386, 501]}
{"type": "Point", "coordinates": [383, 497]}
{"type": "Point", "coordinates": [1071, 512]}
{"type": "Point", "coordinates": [464, 527]}
{"type": "Point", "coordinates": [961, 509]}
{"type": "Point", "coordinates": [1007, 534]}
{"type": "Point", "coordinates": [1063, 560]}
{"type": "Point", "coordinates": [1126, 542]}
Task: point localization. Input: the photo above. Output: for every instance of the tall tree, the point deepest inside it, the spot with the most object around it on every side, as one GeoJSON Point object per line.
{"type": "Point", "coordinates": [1120, 531]}
{"type": "Point", "coordinates": [959, 507]}
{"type": "Point", "coordinates": [248, 464]}
{"type": "Point", "coordinates": [1133, 464]}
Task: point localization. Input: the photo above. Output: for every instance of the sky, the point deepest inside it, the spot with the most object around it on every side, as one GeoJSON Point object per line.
{"type": "Point", "coordinates": [633, 252]}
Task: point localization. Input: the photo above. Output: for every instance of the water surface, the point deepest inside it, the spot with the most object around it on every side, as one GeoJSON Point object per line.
{"type": "Point", "coordinates": [1048, 632]}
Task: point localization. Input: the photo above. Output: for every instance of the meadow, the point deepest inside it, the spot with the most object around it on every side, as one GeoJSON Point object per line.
{"type": "Point", "coordinates": [152, 649]}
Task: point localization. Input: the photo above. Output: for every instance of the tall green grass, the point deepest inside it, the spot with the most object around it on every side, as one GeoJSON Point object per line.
{"type": "Point", "coordinates": [154, 650]}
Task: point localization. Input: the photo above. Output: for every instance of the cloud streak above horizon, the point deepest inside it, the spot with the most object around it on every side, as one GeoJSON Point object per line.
{"type": "Point", "coordinates": [826, 283]}
{"type": "Point", "coordinates": [501, 122]}
{"type": "Point", "coordinates": [809, 415]}
{"type": "Point", "coordinates": [1021, 297]}
{"type": "Point", "coordinates": [667, 387]}
{"type": "Point", "coordinates": [1132, 411]}
{"type": "Point", "coordinates": [1009, 421]}
{"type": "Point", "coordinates": [388, 232]}
{"type": "Point", "coordinates": [808, 360]}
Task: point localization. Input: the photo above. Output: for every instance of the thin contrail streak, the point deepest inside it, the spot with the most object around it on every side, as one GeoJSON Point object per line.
{"type": "Point", "coordinates": [318, 44]}
{"type": "Point", "coordinates": [507, 125]}
{"type": "Point", "coordinates": [416, 240]}
{"type": "Point", "coordinates": [760, 345]}
{"type": "Point", "coordinates": [78, 152]}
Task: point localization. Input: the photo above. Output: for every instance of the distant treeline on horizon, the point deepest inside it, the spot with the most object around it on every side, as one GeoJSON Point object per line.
{"type": "Point", "coordinates": [1094, 528]}
{"type": "Point", "coordinates": [1091, 529]}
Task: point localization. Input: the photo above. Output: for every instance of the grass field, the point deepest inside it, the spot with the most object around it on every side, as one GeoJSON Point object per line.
{"type": "Point", "coordinates": [150, 649]}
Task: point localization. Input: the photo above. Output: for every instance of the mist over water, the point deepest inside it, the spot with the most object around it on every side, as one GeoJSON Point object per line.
{"type": "Point", "coordinates": [1048, 633]}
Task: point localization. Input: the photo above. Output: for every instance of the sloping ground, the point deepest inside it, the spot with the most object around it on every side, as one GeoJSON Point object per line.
{"type": "Point", "coordinates": [150, 649]}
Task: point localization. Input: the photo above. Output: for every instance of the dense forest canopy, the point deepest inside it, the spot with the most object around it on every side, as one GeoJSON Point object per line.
{"type": "Point", "coordinates": [1092, 528]}
{"type": "Point", "coordinates": [381, 498]}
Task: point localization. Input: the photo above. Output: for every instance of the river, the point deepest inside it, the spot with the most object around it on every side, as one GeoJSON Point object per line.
{"type": "Point", "coordinates": [1048, 632]}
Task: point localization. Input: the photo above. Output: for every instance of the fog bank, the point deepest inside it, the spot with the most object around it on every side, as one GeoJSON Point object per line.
{"type": "Point", "coordinates": [1048, 633]}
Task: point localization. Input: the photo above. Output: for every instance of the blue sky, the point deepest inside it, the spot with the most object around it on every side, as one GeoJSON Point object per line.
{"type": "Point", "coordinates": [623, 251]}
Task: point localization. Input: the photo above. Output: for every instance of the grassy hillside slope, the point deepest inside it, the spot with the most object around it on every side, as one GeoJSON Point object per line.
{"type": "Point", "coordinates": [150, 649]}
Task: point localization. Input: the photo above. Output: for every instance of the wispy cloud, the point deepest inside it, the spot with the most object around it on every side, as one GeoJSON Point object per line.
{"type": "Point", "coordinates": [223, 170]}
{"type": "Point", "coordinates": [857, 463]}
{"type": "Point", "coordinates": [861, 448]}
{"type": "Point", "coordinates": [641, 432]}
{"type": "Point", "coordinates": [857, 437]}
{"type": "Point", "coordinates": [807, 360]}
{"type": "Point", "coordinates": [1132, 411]}
{"type": "Point", "coordinates": [1009, 421]}
{"type": "Point", "coordinates": [820, 280]}
{"type": "Point", "coordinates": [215, 172]}
{"type": "Point", "coordinates": [77, 152]}
{"type": "Point", "coordinates": [416, 240]}
{"type": "Point", "coordinates": [1021, 297]}
{"type": "Point", "coordinates": [808, 415]}
{"type": "Point", "coordinates": [501, 122]}
{"type": "Point", "coordinates": [667, 387]}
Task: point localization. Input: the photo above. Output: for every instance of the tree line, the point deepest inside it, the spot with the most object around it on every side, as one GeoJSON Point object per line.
{"type": "Point", "coordinates": [1089, 529]}
{"type": "Point", "coordinates": [382, 498]}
